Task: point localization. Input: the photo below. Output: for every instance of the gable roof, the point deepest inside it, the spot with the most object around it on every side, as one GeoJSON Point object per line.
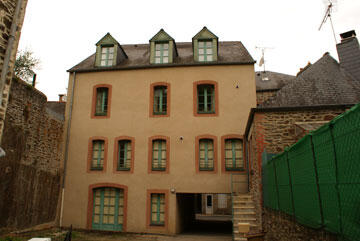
{"type": "Point", "coordinates": [268, 80]}
{"type": "Point", "coordinates": [205, 33]}
{"type": "Point", "coordinates": [107, 39]}
{"type": "Point", "coordinates": [230, 53]}
{"type": "Point", "coordinates": [161, 36]}
{"type": "Point", "coordinates": [322, 83]}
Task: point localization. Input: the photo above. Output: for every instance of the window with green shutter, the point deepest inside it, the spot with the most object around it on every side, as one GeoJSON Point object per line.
{"type": "Point", "coordinates": [157, 209]}
{"type": "Point", "coordinates": [97, 161]}
{"type": "Point", "coordinates": [205, 50]}
{"type": "Point", "coordinates": [205, 99]}
{"type": "Point", "coordinates": [107, 56]}
{"type": "Point", "coordinates": [162, 53]}
{"type": "Point", "coordinates": [101, 106]}
{"type": "Point", "coordinates": [160, 100]}
{"type": "Point", "coordinates": [124, 155]}
{"type": "Point", "coordinates": [206, 155]}
{"type": "Point", "coordinates": [108, 209]}
{"type": "Point", "coordinates": [234, 155]}
{"type": "Point", "coordinates": [158, 155]}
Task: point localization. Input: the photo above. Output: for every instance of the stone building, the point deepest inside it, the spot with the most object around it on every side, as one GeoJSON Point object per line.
{"type": "Point", "coordinates": [12, 14]}
{"type": "Point", "coordinates": [30, 171]}
{"type": "Point", "coordinates": [320, 92]}
{"type": "Point", "coordinates": [152, 126]}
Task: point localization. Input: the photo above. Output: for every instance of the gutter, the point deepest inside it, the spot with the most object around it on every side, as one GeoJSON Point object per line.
{"type": "Point", "coordinates": [288, 108]}
{"type": "Point", "coordinates": [9, 48]}
{"type": "Point", "coordinates": [66, 154]}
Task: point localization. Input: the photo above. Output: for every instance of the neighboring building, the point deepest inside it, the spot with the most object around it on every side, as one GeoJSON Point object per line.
{"type": "Point", "coordinates": [12, 14]}
{"type": "Point", "coordinates": [320, 92]}
{"type": "Point", "coordinates": [268, 83]}
{"type": "Point", "coordinates": [152, 126]}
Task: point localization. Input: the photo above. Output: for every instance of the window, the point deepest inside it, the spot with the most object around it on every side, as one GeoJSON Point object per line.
{"type": "Point", "coordinates": [101, 101]}
{"type": "Point", "coordinates": [108, 209]}
{"type": "Point", "coordinates": [158, 155]}
{"type": "Point", "coordinates": [124, 155]}
{"type": "Point", "coordinates": [161, 53]}
{"type": "Point", "coordinates": [160, 100]}
{"type": "Point", "coordinates": [233, 154]}
{"type": "Point", "coordinates": [107, 56]}
{"type": "Point", "coordinates": [205, 98]}
{"type": "Point", "coordinates": [157, 209]}
{"type": "Point", "coordinates": [98, 154]}
{"type": "Point", "coordinates": [206, 155]}
{"type": "Point", "coordinates": [205, 49]}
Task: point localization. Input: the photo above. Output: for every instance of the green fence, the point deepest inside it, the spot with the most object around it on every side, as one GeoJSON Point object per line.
{"type": "Point", "coordinates": [317, 180]}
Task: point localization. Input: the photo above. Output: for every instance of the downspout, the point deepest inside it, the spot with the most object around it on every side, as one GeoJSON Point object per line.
{"type": "Point", "coordinates": [67, 146]}
{"type": "Point", "coordinates": [9, 48]}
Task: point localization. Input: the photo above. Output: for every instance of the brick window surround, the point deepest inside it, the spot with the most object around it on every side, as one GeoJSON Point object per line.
{"type": "Point", "coordinates": [223, 139]}
{"type": "Point", "coordinates": [148, 209]}
{"type": "Point", "coordinates": [195, 98]}
{"type": "Point", "coordinates": [91, 202]}
{"type": "Point", "coordinates": [168, 97]}
{"type": "Point", "coordinates": [150, 153]}
{"type": "Point", "coordinates": [116, 151]}
{"type": "Point", "coordinates": [90, 153]}
{"type": "Point", "coordinates": [93, 104]}
{"type": "Point", "coordinates": [197, 158]}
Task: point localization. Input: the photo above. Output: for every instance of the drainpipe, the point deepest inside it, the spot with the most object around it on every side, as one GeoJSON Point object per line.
{"type": "Point", "coordinates": [9, 48]}
{"type": "Point", "coordinates": [67, 146]}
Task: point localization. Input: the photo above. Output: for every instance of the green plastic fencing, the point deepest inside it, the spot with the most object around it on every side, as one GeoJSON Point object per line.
{"type": "Point", "coordinates": [317, 180]}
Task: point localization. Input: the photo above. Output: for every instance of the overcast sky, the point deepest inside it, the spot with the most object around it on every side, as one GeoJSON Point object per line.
{"type": "Point", "coordinates": [63, 33]}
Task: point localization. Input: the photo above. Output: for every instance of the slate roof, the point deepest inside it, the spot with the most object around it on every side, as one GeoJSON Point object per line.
{"type": "Point", "coordinates": [271, 80]}
{"type": "Point", "coordinates": [231, 52]}
{"type": "Point", "coordinates": [322, 83]}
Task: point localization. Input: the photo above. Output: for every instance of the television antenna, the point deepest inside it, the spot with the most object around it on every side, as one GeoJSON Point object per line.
{"type": "Point", "coordinates": [262, 60]}
{"type": "Point", "coordinates": [330, 7]}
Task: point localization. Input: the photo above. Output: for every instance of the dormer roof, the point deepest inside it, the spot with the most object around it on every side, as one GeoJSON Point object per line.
{"type": "Point", "coordinates": [161, 36]}
{"type": "Point", "coordinates": [205, 33]}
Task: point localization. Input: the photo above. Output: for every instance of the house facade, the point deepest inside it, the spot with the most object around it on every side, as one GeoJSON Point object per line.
{"type": "Point", "coordinates": [152, 126]}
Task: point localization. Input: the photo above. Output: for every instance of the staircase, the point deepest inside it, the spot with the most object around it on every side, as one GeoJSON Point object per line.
{"type": "Point", "coordinates": [243, 212]}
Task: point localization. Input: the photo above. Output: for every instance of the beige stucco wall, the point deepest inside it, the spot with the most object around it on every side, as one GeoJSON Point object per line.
{"type": "Point", "coordinates": [130, 117]}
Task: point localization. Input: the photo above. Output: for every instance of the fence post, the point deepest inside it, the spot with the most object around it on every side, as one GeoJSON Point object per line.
{"type": "Point", "coordinates": [290, 182]}
{"type": "Point", "coordinates": [277, 186]}
{"type": "Point", "coordinates": [317, 180]}
{"type": "Point", "coordinates": [331, 126]}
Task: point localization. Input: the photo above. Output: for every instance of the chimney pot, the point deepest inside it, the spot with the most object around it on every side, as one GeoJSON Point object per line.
{"type": "Point", "coordinates": [61, 98]}
{"type": "Point", "coordinates": [347, 35]}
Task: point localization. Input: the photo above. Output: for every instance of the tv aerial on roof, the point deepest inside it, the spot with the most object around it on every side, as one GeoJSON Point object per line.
{"type": "Point", "coordinates": [330, 8]}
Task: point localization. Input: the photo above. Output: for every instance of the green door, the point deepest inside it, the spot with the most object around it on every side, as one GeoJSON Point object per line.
{"type": "Point", "coordinates": [108, 209]}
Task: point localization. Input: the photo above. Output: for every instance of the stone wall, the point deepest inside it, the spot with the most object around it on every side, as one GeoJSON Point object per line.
{"type": "Point", "coordinates": [262, 96]}
{"type": "Point", "coordinates": [30, 171]}
{"type": "Point", "coordinates": [7, 9]}
{"type": "Point", "coordinates": [282, 227]}
{"type": "Point", "coordinates": [274, 131]}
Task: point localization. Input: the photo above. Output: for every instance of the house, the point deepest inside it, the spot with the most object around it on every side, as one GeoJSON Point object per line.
{"type": "Point", "coordinates": [151, 127]}
{"type": "Point", "coordinates": [320, 92]}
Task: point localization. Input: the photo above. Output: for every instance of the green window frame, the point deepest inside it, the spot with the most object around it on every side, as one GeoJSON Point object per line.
{"type": "Point", "coordinates": [205, 50]}
{"type": "Point", "coordinates": [98, 152]}
{"type": "Point", "coordinates": [107, 56]}
{"type": "Point", "coordinates": [157, 209]}
{"type": "Point", "coordinates": [158, 155]}
{"type": "Point", "coordinates": [108, 209]}
{"type": "Point", "coordinates": [206, 155]}
{"type": "Point", "coordinates": [162, 53]}
{"type": "Point", "coordinates": [124, 155]}
{"type": "Point", "coordinates": [234, 155]}
{"type": "Point", "coordinates": [101, 106]}
{"type": "Point", "coordinates": [206, 99]}
{"type": "Point", "coordinates": [160, 100]}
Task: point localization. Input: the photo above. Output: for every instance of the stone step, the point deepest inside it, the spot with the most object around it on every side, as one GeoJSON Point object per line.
{"type": "Point", "coordinates": [244, 220]}
{"type": "Point", "coordinates": [243, 212]}
{"type": "Point", "coordinates": [243, 202]}
{"type": "Point", "coordinates": [244, 207]}
{"type": "Point", "coordinates": [240, 239]}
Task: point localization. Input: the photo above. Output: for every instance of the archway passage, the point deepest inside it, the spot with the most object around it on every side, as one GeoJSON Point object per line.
{"type": "Point", "coordinates": [204, 213]}
{"type": "Point", "coordinates": [108, 209]}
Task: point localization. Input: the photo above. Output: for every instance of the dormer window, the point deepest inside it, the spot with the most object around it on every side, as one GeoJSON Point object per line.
{"type": "Point", "coordinates": [205, 46]}
{"type": "Point", "coordinates": [161, 53]}
{"type": "Point", "coordinates": [205, 50]}
{"type": "Point", "coordinates": [162, 48]}
{"type": "Point", "coordinates": [107, 56]}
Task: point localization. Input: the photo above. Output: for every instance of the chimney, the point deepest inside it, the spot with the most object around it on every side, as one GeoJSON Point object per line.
{"type": "Point", "coordinates": [61, 98]}
{"type": "Point", "coordinates": [349, 53]}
